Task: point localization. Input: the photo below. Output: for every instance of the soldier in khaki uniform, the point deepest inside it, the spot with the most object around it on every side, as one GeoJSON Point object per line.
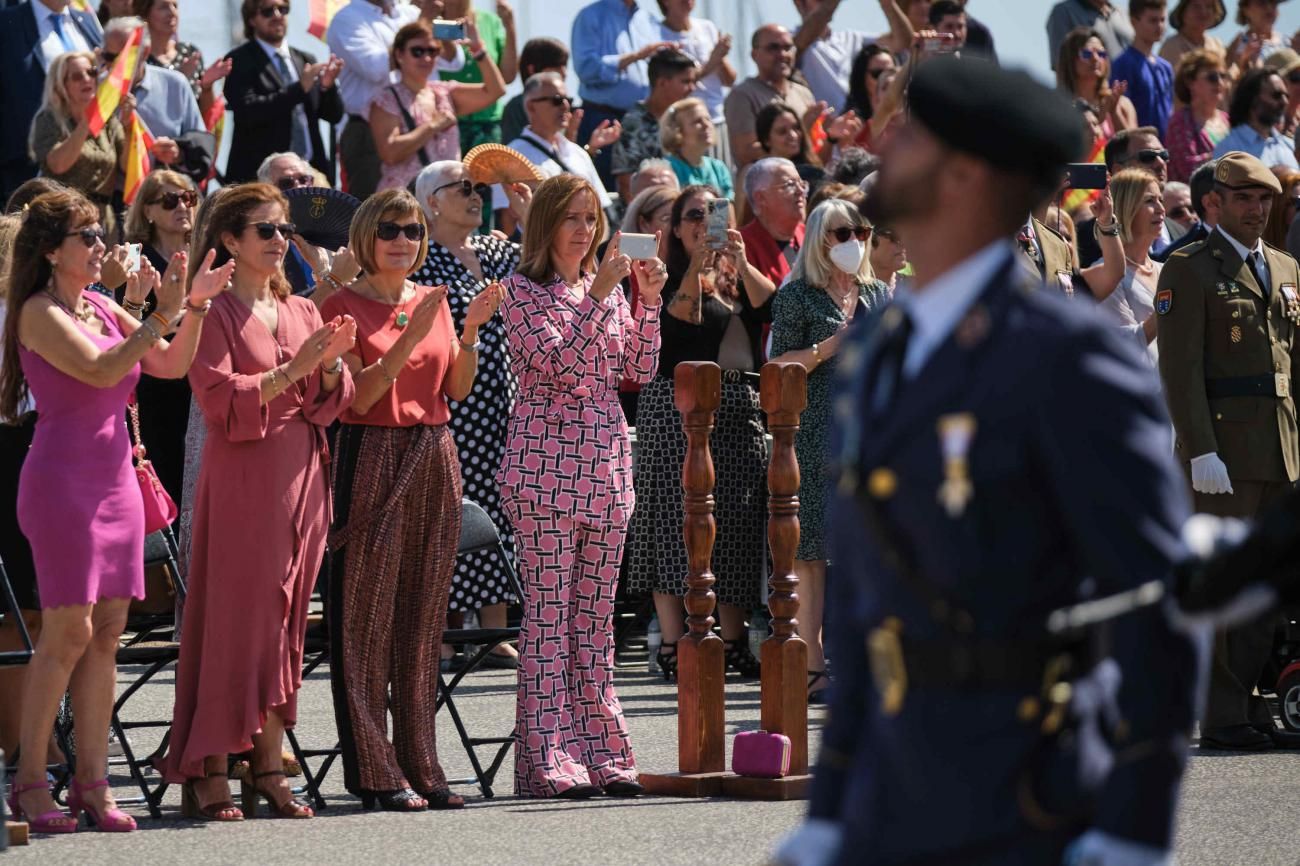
{"type": "Point", "coordinates": [1049, 258]}
{"type": "Point", "coordinates": [1227, 312]}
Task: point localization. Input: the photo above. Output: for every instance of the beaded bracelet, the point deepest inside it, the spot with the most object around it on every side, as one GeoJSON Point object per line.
{"type": "Point", "coordinates": [201, 310]}
{"type": "Point", "coordinates": [147, 325]}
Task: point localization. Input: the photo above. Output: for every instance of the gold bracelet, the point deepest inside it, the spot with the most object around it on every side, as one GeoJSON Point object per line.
{"type": "Point", "coordinates": [383, 371]}
{"type": "Point", "coordinates": [166, 325]}
{"type": "Point", "coordinates": [275, 372]}
{"type": "Point", "coordinates": [817, 354]}
{"type": "Point", "coordinates": [201, 310]}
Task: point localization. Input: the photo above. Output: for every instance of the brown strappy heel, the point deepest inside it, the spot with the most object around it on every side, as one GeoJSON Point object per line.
{"type": "Point", "coordinates": [190, 807]}
{"type": "Point", "coordinates": [251, 792]}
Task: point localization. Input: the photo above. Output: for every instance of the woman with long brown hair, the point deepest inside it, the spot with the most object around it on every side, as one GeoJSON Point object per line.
{"type": "Point", "coordinates": [398, 506]}
{"type": "Point", "coordinates": [566, 484]}
{"type": "Point", "coordinates": [80, 355]}
{"type": "Point", "coordinates": [1083, 72]}
{"type": "Point", "coordinates": [269, 377]}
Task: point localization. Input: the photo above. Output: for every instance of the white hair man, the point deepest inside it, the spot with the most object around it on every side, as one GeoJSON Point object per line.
{"type": "Point", "coordinates": [778, 199]}
{"type": "Point", "coordinates": [652, 172]}
{"type": "Point", "coordinates": [286, 171]}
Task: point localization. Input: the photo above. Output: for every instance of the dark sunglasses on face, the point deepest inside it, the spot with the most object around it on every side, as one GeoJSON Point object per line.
{"type": "Point", "coordinates": [419, 52]}
{"type": "Point", "coordinates": [694, 215]}
{"type": "Point", "coordinates": [389, 231]}
{"type": "Point", "coordinates": [466, 188]}
{"type": "Point", "coordinates": [1093, 54]}
{"type": "Point", "coordinates": [1151, 155]}
{"type": "Point", "coordinates": [843, 233]}
{"type": "Point", "coordinates": [272, 11]}
{"type": "Point", "coordinates": [294, 181]}
{"type": "Point", "coordinates": [1213, 77]}
{"type": "Point", "coordinates": [90, 235]}
{"type": "Point", "coordinates": [876, 73]}
{"type": "Point", "coordinates": [266, 231]}
{"type": "Point", "coordinates": [886, 234]}
{"type": "Point", "coordinates": [557, 101]}
{"type": "Point", "coordinates": [171, 200]}
{"type": "Point", "coordinates": [1181, 212]}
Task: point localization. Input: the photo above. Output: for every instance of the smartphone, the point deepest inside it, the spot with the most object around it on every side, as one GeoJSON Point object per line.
{"type": "Point", "coordinates": [638, 246]}
{"type": "Point", "coordinates": [717, 222]}
{"type": "Point", "coordinates": [448, 30]}
{"type": "Point", "coordinates": [133, 258]}
{"type": "Point", "coordinates": [944, 43]}
{"type": "Point", "coordinates": [1085, 175]}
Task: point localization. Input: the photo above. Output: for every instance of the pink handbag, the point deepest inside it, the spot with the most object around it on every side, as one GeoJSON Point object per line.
{"type": "Point", "coordinates": [159, 508]}
{"type": "Point", "coordinates": [760, 754]}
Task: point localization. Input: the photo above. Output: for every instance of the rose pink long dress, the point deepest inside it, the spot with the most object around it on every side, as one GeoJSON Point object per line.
{"type": "Point", "coordinates": [261, 514]}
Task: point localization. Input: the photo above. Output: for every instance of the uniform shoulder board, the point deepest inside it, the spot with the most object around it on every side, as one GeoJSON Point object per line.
{"type": "Point", "coordinates": [1045, 227]}
{"type": "Point", "coordinates": [1280, 250]}
{"type": "Point", "coordinates": [1189, 250]}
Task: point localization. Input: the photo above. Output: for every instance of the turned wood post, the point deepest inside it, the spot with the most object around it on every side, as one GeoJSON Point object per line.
{"type": "Point", "coordinates": [701, 735]}
{"type": "Point", "coordinates": [783, 392]}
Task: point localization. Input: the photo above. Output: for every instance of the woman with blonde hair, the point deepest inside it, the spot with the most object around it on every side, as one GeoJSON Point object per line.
{"type": "Point", "coordinates": [566, 483]}
{"type": "Point", "coordinates": [831, 282]}
{"type": "Point", "coordinates": [269, 377]}
{"type": "Point", "coordinates": [1083, 72]}
{"type": "Point", "coordinates": [686, 133]}
{"type": "Point", "coordinates": [1140, 212]}
{"type": "Point", "coordinates": [60, 142]}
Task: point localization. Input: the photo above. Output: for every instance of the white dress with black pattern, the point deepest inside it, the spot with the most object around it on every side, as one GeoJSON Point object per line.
{"type": "Point", "coordinates": [479, 422]}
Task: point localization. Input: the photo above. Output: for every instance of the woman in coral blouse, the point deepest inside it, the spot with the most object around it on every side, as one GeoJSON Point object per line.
{"type": "Point", "coordinates": [566, 484]}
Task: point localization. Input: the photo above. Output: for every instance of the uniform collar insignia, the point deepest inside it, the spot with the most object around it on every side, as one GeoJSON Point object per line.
{"type": "Point", "coordinates": [973, 327]}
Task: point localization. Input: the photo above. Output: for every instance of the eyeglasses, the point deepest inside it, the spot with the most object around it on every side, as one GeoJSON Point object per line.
{"type": "Point", "coordinates": [876, 73]}
{"type": "Point", "coordinates": [89, 236]}
{"type": "Point", "coordinates": [1093, 54]}
{"type": "Point", "coordinates": [266, 231]}
{"type": "Point", "coordinates": [419, 52]}
{"type": "Point", "coordinates": [886, 234]}
{"type": "Point", "coordinates": [1184, 211]}
{"type": "Point", "coordinates": [1213, 77]}
{"type": "Point", "coordinates": [272, 11]}
{"type": "Point", "coordinates": [791, 185]}
{"type": "Point", "coordinates": [694, 215]}
{"type": "Point", "coordinates": [779, 47]}
{"type": "Point", "coordinates": [466, 188]}
{"type": "Point", "coordinates": [172, 200]}
{"type": "Point", "coordinates": [389, 231]}
{"type": "Point", "coordinates": [557, 101]}
{"type": "Point", "coordinates": [1149, 155]}
{"type": "Point", "coordinates": [843, 233]}
{"type": "Point", "coordinates": [295, 181]}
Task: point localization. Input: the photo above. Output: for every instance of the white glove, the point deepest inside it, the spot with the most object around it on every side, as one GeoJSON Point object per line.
{"type": "Point", "coordinates": [815, 842]}
{"type": "Point", "coordinates": [1209, 475]}
{"type": "Point", "coordinates": [1096, 848]}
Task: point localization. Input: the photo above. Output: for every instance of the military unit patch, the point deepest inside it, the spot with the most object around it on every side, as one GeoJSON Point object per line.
{"type": "Point", "coordinates": [1164, 301]}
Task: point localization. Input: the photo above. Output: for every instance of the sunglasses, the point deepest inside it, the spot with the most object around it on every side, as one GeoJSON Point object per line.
{"type": "Point", "coordinates": [389, 231]}
{"type": "Point", "coordinates": [876, 73]}
{"type": "Point", "coordinates": [1181, 212]}
{"type": "Point", "coordinates": [89, 236]}
{"type": "Point", "coordinates": [1150, 155]}
{"type": "Point", "coordinates": [466, 188]}
{"type": "Point", "coordinates": [266, 231]}
{"type": "Point", "coordinates": [694, 215]}
{"type": "Point", "coordinates": [172, 200]}
{"type": "Point", "coordinates": [843, 233]}
{"type": "Point", "coordinates": [1213, 77]}
{"type": "Point", "coordinates": [1093, 54]}
{"type": "Point", "coordinates": [419, 52]}
{"type": "Point", "coordinates": [887, 235]}
{"type": "Point", "coordinates": [557, 101]}
{"type": "Point", "coordinates": [295, 181]}
{"type": "Point", "coordinates": [273, 11]}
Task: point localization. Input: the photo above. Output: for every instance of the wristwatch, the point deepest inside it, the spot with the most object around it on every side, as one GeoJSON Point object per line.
{"type": "Point", "coordinates": [1112, 231]}
{"type": "Point", "coordinates": [335, 368]}
{"type": "Point", "coordinates": [476, 347]}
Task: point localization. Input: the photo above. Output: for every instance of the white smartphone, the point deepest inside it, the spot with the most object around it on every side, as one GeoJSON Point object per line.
{"type": "Point", "coordinates": [717, 223]}
{"type": "Point", "coordinates": [133, 258]}
{"type": "Point", "coordinates": [636, 246]}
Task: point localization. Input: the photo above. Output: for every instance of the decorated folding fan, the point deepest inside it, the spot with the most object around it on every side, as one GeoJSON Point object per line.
{"type": "Point", "coordinates": [496, 163]}
{"type": "Point", "coordinates": [322, 215]}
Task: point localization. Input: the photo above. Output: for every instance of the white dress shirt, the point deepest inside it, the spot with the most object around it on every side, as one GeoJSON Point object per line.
{"type": "Point", "coordinates": [935, 310]}
{"type": "Point", "coordinates": [574, 158]}
{"type": "Point", "coordinates": [1244, 252]}
{"type": "Point", "coordinates": [48, 38]}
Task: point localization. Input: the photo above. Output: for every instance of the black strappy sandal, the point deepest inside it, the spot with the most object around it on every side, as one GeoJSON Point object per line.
{"type": "Point", "coordinates": [741, 660]}
{"type": "Point", "coordinates": [399, 800]}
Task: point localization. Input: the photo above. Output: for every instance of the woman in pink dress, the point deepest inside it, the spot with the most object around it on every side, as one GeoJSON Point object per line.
{"type": "Point", "coordinates": [268, 377]}
{"type": "Point", "coordinates": [1199, 83]}
{"type": "Point", "coordinates": [80, 355]}
{"type": "Point", "coordinates": [413, 119]}
{"type": "Point", "coordinates": [566, 484]}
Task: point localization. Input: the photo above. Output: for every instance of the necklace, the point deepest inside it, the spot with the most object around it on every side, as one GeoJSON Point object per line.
{"type": "Point", "coordinates": [402, 319]}
{"type": "Point", "coordinates": [81, 314]}
{"type": "Point", "coordinates": [846, 300]}
{"type": "Point", "coordinates": [1144, 268]}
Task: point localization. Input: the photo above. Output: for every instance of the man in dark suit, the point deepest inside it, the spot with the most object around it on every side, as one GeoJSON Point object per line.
{"type": "Point", "coordinates": [1206, 207]}
{"type": "Point", "coordinates": [32, 34]}
{"type": "Point", "coordinates": [1128, 148]}
{"type": "Point", "coordinates": [279, 95]}
{"type": "Point", "coordinates": [965, 513]}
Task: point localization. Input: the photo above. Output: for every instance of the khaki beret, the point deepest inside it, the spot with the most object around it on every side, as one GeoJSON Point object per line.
{"type": "Point", "coordinates": [1236, 169]}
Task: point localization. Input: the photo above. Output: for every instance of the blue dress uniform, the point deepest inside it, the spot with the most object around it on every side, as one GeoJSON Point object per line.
{"type": "Point", "coordinates": [1025, 467]}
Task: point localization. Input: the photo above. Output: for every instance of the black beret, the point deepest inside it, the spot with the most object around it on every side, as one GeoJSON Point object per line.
{"type": "Point", "coordinates": [1004, 117]}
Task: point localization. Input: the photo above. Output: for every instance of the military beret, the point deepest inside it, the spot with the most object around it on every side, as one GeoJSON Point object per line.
{"type": "Point", "coordinates": [1237, 169]}
{"type": "Point", "coordinates": [1003, 117]}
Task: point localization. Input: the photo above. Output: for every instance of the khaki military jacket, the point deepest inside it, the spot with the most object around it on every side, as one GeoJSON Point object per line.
{"type": "Point", "coordinates": [1228, 358]}
{"type": "Point", "coordinates": [1058, 269]}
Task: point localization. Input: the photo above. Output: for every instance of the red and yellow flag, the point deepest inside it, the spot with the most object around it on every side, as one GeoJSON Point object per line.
{"type": "Point", "coordinates": [138, 157]}
{"type": "Point", "coordinates": [1076, 198]}
{"type": "Point", "coordinates": [81, 5]}
{"type": "Point", "coordinates": [322, 13]}
{"type": "Point", "coordinates": [118, 84]}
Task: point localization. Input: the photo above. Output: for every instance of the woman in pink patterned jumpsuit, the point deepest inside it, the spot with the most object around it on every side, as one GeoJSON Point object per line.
{"type": "Point", "coordinates": [566, 484]}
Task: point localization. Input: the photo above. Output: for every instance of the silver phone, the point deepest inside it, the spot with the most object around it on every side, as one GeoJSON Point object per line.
{"type": "Point", "coordinates": [636, 246]}
{"type": "Point", "coordinates": [717, 222]}
{"type": "Point", "coordinates": [133, 252]}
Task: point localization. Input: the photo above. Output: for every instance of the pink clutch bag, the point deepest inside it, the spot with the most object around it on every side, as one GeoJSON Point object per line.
{"type": "Point", "coordinates": [760, 754]}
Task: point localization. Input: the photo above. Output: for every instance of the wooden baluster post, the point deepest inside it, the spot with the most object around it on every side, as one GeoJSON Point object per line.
{"type": "Point", "coordinates": [784, 394]}
{"type": "Point", "coordinates": [701, 735]}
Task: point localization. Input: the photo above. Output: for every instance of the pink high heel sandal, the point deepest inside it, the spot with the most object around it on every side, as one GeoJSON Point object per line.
{"type": "Point", "coordinates": [111, 821]}
{"type": "Point", "coordinates": [53, 821]}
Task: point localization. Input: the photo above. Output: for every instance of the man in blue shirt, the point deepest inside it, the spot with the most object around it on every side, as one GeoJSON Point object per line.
{"type": "Point", "coordinates": [1257, 107]}
{"type": "Point", "coordinates": [611, 41]}
{"type": "Point", "coordinates": [1150, 78]}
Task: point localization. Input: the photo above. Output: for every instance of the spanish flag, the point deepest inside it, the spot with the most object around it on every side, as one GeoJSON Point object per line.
{"type": "Point", "coordinates": [322, 13]}
{"type": "Point", "coordinates": [118, 83]}
{"type": "Point", "coordinates": [139, 149]}
{"type": "Point", "coordinates": [1076, 198]}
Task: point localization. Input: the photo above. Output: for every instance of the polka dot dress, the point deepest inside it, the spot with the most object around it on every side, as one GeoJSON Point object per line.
{"type": "Point", "coordinates": [479, 422]}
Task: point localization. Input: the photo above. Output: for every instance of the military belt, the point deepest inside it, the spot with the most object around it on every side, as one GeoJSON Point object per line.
{"type": "Point", "coordinates": [986, 664]}
{"type": "Point", "coordinates": [1275, 385]}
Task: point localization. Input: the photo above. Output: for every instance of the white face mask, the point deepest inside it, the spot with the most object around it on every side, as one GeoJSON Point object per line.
{"type": "Point", "coordinates": [848, 255]}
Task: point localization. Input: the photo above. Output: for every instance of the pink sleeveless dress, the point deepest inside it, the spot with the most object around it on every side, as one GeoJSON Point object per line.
{"type": "Point", "coordinates": [78, 500]}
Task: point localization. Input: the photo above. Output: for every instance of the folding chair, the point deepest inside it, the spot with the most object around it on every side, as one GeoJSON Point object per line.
{"type": "Point", "coordinates": [150, 642]}
{"type": "Point", "coordinates": [478, 533]}
{"type": "Point", "coordinates": [315, 652]}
